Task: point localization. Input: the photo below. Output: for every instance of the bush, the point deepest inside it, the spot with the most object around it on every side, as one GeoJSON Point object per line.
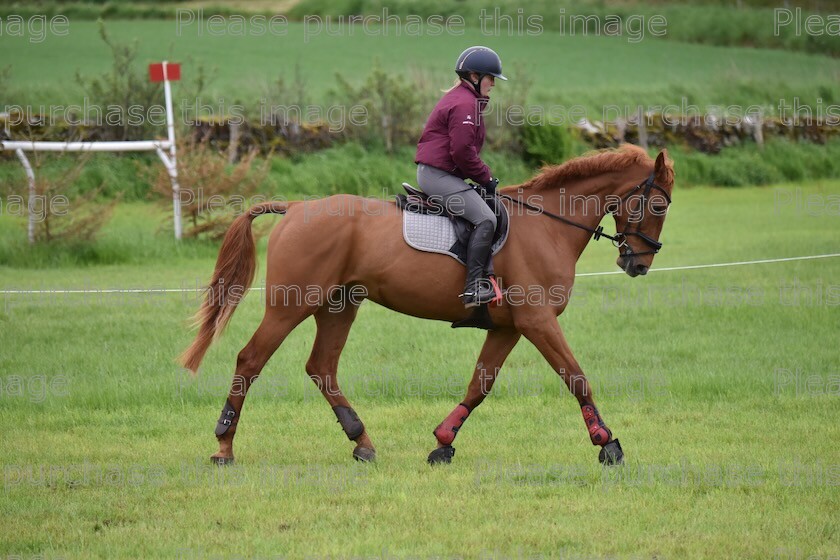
{"type": "Point", "coordinates": [213, 193]}
{"type": "Point", "coordinates": [778, 161]}
{"type": "Point", "coordinates": [62, 215]}
{"type": "Point", "coordinates": [545, 144]}
{"type": "Point", "coordinates": [393, 104]}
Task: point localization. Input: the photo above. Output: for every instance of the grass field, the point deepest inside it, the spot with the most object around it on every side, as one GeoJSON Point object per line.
{"type": "Point", "coordinates": [589, 71]}
{"type": "Point", "coordinates": [722, 384]}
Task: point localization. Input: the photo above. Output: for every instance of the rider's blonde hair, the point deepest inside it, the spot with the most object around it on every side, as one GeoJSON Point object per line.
{"type": "Point", "coordinates": [454, 85]}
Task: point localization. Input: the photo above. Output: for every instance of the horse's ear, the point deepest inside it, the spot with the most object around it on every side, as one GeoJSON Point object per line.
{"type": "Point", "coordinates": [660, 161]}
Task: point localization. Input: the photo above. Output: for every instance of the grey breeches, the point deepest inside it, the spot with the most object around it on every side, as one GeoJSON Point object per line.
{"type": "Point", "coordinates": [454, 194]}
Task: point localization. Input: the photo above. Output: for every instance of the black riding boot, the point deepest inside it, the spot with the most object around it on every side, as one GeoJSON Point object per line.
{"type": "Point", "coordinates": [478, 290]}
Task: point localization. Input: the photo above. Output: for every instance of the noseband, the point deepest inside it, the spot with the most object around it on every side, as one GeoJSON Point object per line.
{"type": "Point", "coordinates": [620, 237]}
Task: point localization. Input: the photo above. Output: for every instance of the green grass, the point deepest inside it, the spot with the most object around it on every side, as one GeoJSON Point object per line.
{"type": "Point", "coordinates": [723, 459]}
{"type": "Point", "coordinates": [716, 22]}
{"type": "Point", "coordinates": [140, 232]}
{"type": "Point", "coordinates": [135, 236]}
{"type": "Point", "coordinates": [589, 71]}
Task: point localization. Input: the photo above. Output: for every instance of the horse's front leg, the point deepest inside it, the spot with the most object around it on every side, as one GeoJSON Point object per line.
{"type": "Point", "coordinates": [497, 347]}
{"type": "Point", "coordinates": [547, 336]}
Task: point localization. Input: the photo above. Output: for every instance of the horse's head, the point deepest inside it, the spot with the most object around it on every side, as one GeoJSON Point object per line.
{"type": "Point", "coordinates": [639, 217]}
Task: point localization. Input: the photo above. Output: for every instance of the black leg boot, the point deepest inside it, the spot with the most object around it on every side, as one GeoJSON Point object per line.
{"type": "Point", "coordinates": [478, 290]}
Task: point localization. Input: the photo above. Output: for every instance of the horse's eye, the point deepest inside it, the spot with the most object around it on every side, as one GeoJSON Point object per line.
{"type": "Point", "coordinates": [660, 210]}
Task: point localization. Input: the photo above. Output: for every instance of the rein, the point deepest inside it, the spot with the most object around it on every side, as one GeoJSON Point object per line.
{"type": "Point", "coordinates": [619, 240]}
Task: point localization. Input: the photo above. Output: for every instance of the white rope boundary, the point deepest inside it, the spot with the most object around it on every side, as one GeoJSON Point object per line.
{"type": "Point", "coordinates": [716, 265]}
{"type": "Point", "coordinates": [583, 274]}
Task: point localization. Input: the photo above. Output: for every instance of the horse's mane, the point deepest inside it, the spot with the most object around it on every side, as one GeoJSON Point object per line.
{"type": "Point", "coordinates": [587, 165]}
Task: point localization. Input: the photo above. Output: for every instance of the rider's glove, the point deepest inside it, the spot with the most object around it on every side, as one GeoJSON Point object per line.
{"type": "Point", "coordinates": [490, 186]}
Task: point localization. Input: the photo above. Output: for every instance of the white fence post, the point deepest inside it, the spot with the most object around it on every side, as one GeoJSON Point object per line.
{"type": "Point", "coordinates": [172, 168]}
{"type": "Point", "coordinates": [30, 204]}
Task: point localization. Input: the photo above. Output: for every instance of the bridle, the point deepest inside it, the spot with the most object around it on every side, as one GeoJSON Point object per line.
{"type": "Point", "coordinates": [619, 240]}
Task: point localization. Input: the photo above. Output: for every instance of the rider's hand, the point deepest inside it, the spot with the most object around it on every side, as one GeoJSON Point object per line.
{"type": "Point", "coordinates": [491, 185]}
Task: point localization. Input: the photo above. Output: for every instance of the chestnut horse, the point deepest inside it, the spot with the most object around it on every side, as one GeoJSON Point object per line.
{"type": "Point", "coordinates": [342, 249]}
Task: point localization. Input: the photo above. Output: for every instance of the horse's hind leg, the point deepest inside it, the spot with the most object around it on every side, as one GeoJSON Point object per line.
{"type": "Point", "coordinates": [274, 328]}
{"type": "Point", "coordinates": [333, 327]}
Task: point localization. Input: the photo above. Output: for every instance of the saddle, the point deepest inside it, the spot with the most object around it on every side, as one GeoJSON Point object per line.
{"type": "Point", "coordinates": [445, 233]}
{"type": "Point", "coordinates": [427, 226]}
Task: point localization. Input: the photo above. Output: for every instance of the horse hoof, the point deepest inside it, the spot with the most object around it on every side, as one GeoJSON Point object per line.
{"type": "Point", "coordinates": [611, 453]}
{"type": "Point", "coordinates": [221, 461]}
{"type": "Point", "coordinates": [441, 455]}
{"type": "Point", "coordinates": [364, 454]}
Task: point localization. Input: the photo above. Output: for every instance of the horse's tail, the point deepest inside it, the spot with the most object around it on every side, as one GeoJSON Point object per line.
{"type": "Point", "coordinates": [234, 273]}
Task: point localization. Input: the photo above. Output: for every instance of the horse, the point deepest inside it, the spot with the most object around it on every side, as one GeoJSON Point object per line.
{"type": "Point", "coordinates": [344, 249]}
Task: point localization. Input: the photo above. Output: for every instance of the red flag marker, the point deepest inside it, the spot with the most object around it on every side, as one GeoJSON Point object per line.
{"type": "Point", "coordinates": [172, 72]}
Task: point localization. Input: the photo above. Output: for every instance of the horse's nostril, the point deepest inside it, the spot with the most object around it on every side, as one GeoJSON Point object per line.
{"type": "Point", "coordinates": [641, 269]}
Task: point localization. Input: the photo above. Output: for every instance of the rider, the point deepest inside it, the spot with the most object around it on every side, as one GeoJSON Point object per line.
{"type": "Point", "coordinates": [448, 153]}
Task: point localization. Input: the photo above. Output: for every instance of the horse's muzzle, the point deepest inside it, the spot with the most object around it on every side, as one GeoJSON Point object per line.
{"type": "Point", "coordinates": [628, 265]}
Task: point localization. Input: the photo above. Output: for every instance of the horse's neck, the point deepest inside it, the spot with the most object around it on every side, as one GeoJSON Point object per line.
{"type": "Point", "coordinates": [585, 201]}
